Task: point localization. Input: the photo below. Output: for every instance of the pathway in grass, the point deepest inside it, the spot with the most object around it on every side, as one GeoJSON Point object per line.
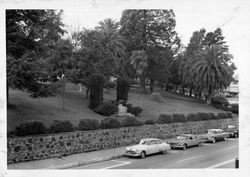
{"type": "Point", "coordinates": [76, 107]}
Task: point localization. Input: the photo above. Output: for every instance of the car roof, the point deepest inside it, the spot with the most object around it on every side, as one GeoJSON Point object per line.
{"type": "Point", "coordinates": [149, 139]}
{"type": "Point", "coordinates": [214, 129]}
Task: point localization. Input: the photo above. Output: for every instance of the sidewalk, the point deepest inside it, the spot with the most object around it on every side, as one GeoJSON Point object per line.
{"type": "Point", "coordinates": [71, 160]}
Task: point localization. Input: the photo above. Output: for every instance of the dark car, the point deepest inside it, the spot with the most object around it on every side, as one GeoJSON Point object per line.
{"type": "Point", "coordinates": [233, 131]}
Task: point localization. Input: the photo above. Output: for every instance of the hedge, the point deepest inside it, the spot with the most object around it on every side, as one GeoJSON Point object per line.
{"type": "Point", "coordinates": [88, 124]}
{"type": "Point", "coordinates": [30, 128]}
{"type": "Point", "coordinates": [61, 126]}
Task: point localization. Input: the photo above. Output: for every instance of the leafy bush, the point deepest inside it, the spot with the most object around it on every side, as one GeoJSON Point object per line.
{"type": "Point", "coordinates": [122, 89]}
{"type": "Point", "coordinates": [131, 121]}
{"type": "Point", "coordinates": [96, 90]}
{"type": "Point", "coordinates": [30, 128]}
{"type": "Point", "coordinates": [134, 110]}
{"type": "Point", "coordinates": [148, 122]}
{"type": "Point", "coordinates": [165, 118]}
{"type": "Point", "coordinates": [219, 100]}
{"type": "Point", "coordinates": [109, 84]}
{"type": "Point", "coordinates": [179, 118]}
{"type": "Point", "coordinates": [203, 116]}
{"type": "Point", "coordinates": [211, 116]}
{"type": "Point", "coordinates": [156, 97]}
{"type": "Point", "coordinates": [61, 126]}
{"type": "Point", "coordinates": [88, 124]}
{"type": "Point", "coordinates": [110, 123]}
{"type": "Point", "coordinates": [192, 117]}
{"type": "Point", "coordinates": [235, 108]}
{"type": "Point", "coordinates": [106, 108]}
{"type": "Point", "coordinates": [224, 115]}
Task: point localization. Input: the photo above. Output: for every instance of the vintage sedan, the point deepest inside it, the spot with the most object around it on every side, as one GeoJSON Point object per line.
{"type": "Point", "coordinates": [233, 131]}
{"type": "Point", "coordinates": [147, 146]}
{"type": "Point", "coordinates": [214, 135]}
{"type": "Point", "coordinates": [185, 140]}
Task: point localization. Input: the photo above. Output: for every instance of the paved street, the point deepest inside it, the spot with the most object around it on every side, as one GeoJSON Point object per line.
{"type": "Point", "coordinates": [219, 155]}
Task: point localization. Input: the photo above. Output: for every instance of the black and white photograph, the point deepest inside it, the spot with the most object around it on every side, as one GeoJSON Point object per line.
{"type": "Point", "coordinates": [136, 87]}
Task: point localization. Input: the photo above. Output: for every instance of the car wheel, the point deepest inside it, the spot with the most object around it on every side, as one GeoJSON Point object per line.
{"type": "Point", "coordinates": [225, 138]}
{"type": "Point", "coordinates": [143, 154]}
{"type": "Point", "coordinates": [164, 152]}
{"type": "Point", "coordinates": [199, 144]}
{"type": "Point", "coordinates": [184, 147]}
{"type": "Point", "coordinates": [236, 135]}
{"type": "Point", "coordinates": [213, 141]}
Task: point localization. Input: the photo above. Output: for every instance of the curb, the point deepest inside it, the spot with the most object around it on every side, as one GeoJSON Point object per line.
{"type": "Point", "coordinates": [79, 163]}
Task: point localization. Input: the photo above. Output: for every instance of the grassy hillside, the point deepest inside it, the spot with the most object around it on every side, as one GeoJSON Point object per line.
{"type": "Point", "coordinates": [76, 106]}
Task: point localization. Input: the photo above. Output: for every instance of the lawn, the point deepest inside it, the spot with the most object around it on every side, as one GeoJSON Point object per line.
{"type": "Point", "coordinates": [76, 106]}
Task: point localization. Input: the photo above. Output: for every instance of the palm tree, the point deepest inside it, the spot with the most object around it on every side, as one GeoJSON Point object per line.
{"type": "Point", "coordinates": [210, 69]}
{"type": "Point", "coordinates": [112, 41]}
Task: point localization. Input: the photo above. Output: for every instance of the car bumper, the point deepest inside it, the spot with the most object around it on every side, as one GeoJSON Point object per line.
{"type": "Point", "coordinates": [132, 154]}
{"type": "Point", "coordinates": [176, 146]}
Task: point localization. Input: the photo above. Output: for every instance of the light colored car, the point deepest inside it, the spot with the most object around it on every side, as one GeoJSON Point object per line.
{"type": "Point", "coordinates": [147, 146]}
{"type": "Point", "coordinates": [214, 135]}
{"type": "Point", "coordinates": [185, 140]}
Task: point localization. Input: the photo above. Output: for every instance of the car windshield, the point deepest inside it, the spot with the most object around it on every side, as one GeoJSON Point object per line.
{"type": "Point", "coordinates": [182, 137]}
{"type": "Point", "coordinates": [211, 132]}
{"type": "Point", "coordinates": [143, 142]}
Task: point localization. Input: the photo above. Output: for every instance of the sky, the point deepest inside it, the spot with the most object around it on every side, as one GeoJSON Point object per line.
{"type": "Point", "coordinates": [191, 15]}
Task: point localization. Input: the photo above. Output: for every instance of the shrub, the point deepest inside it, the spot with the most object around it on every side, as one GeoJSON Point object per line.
{"type": "Point", "coordinates": [211, 116]}
{"type": "Point", "coordinates": [156, 97]}
{"type": "Point", "coordinates": [224, 115]}
{"type": "Point", "coordinates": [202, 116]}
{"type": "Point", "coordinates": [122, 89]}
{"type": "Point", "coordinates": [235, 108]}
{"type": "Point", "coordinates": [106, 108]}
{"type": "Point", "coordinates": [148, 122]}
{"type": "Point", "coordinates": [134, 110]}
{"type": "Point", "coordinates": [61, 126]}
{"type": "Point", "coordinates": [192, 117]}
{"type": "Point", "coordinates": [30, 128]}
{"type": "Point", "coordinates": [219, 100]}
{"type": "Point", "coordinates": [110, 123]}
{"type": "Point", "coordinates": [179, 118]}
{"type": "Point", "coordinates": [131, 121]}
{"type": "Point", "coordinates": [165, 118]}
{"type": "Point", "coordinates": [96, 90]}
{"type": "Point", "coordinates": [88, 124]}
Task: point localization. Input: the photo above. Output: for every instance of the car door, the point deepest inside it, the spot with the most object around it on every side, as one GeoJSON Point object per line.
{"type": "Point", "coordinates": [150, 147]}
{"type": "Point", "coordinates": [194, 140]}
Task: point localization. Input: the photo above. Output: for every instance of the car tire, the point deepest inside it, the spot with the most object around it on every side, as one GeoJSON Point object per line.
{"type": "Point", "coordinates": [184, 147]}
{"type": "Point", "coordinates": [225, 138]}
{"type": "Point", "coordinates": [236, 135]}
{"type": "Point", "coordinates": [143, 154]}
{"type": "Point", "coordinates": [214, 140]}
{"type": "Point", "coordinates": [199, 144]}
{"type": "Point", "coordinates": [164, 152]}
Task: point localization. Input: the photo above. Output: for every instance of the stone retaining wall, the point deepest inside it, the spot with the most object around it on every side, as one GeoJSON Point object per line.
{"type": "Point", "coordinates": [54, 145]}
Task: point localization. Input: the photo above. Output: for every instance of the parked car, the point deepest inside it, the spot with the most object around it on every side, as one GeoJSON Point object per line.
{"type": "Point", "coordinates": [147, 146]}
{"type": "Point", "coordinates": [214, 135]}
{"type": "Point", "coordinates": [233, 131]}
{"type": "Point", "coordinates": [185, 140]}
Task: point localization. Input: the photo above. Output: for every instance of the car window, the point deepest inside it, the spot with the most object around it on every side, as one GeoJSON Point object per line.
{"type": "Point", "coordinates": [182, 137]}
{"type": "Point", "coordinates": [143, 142]}
{"type": "Point", "coordinates": [211, 131]}
{"type": "Point", "coordinates": [157, 142]}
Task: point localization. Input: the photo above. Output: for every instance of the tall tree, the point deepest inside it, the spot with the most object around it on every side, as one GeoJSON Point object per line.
{"type": "Point", "coordinates": [211, 70]}
{"type": "Point", "coordinates": [30, 34]}
{"type": "Point", "coordinates": [150, 30]}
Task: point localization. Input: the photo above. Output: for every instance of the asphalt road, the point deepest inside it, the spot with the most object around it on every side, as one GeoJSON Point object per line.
{"type": "Point", "coordinates": [219, 155]}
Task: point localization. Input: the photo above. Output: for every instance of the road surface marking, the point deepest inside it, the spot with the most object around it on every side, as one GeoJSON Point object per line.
{"type": "Point", "coordinates": [232, 147]}
{"type": "Point", "coordinates": [222, 163]}
{"type": "Point", "coordinates": [118, 165]}
{"type": "Point", "coordinates": [189, 158]}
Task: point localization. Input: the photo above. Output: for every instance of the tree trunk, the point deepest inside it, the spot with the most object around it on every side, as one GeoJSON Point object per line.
{"type": "Point", "coordinates": [209, 96]}
{"type": "Point", "coordinates": [152, 85]}
{"type": "Point", "coordinates": [183, 90]}
{"type": "Point", "coordinates": [142, 84]}
{"type": "Point", "coordinates": [191, 91]}
{"type": "Point", "coordinates": [63, 92]}
{"type": "Point", "coordinates": [87, 92]}
{"type": "Point", "coordinates": [176, 87]}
